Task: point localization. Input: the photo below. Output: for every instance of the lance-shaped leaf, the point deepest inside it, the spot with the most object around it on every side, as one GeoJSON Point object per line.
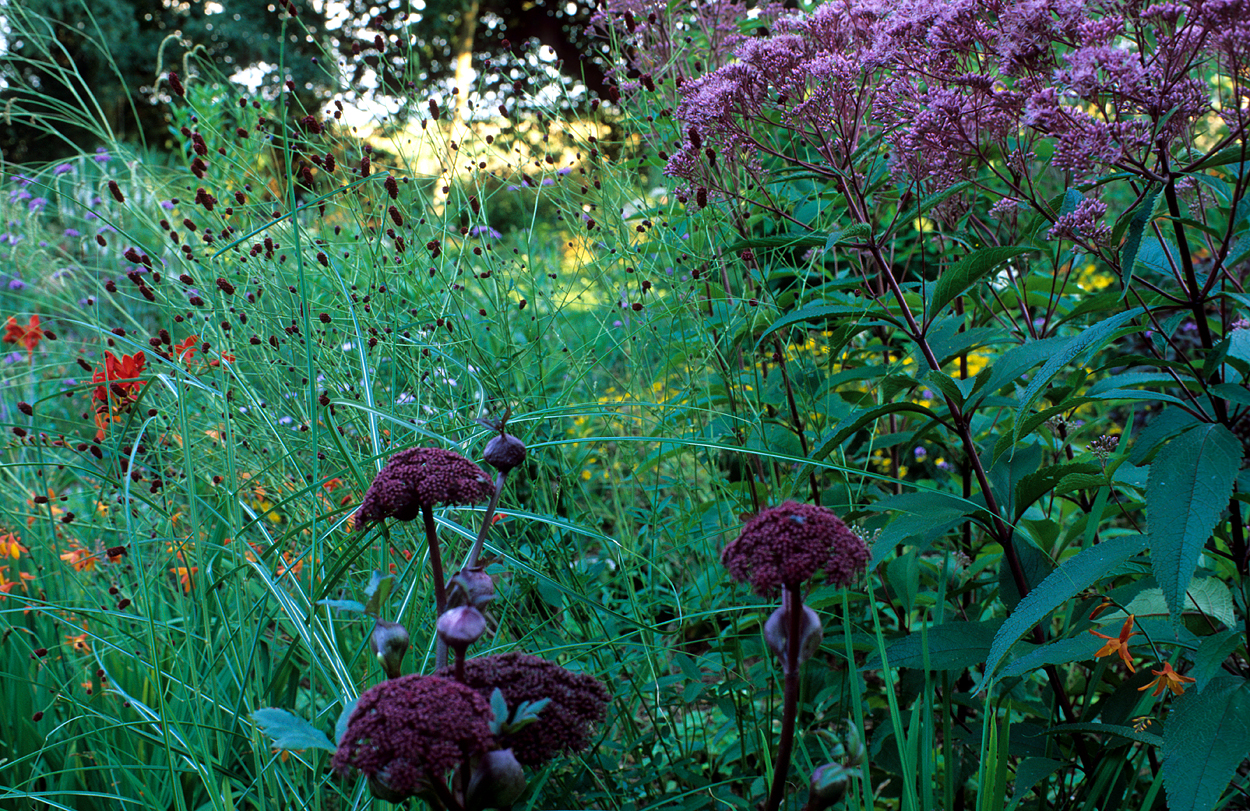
{"type": "Point", "coordinates": [1205, 739]}
{"type": "Point", "coordinates": [1074, 576]}
{"type": "Point", "coordinates": [968, 271]}
{"type": "Point", "coordinates": [1188, 488]}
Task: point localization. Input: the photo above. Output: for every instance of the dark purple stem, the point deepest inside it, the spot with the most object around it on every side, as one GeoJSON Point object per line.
{"type": "Point", "coordinates": [436, 560]}
{"type": "Point", "coordinates": [793, 601]}
{"type": "Point", "coordinates": [476, 551]}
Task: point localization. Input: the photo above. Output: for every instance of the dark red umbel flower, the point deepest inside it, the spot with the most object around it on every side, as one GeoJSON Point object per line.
{"type": "Point", "coordinates": [789, 543]}
{"type": "Point", "coordinates": [564, 725]}
{"type": "Point", "coordinates": [422, 477]}
{"type": "Point", "coordinates": [405, 732]}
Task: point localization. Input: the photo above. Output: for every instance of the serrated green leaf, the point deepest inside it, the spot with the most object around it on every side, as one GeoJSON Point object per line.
{"type": "Point", "coordinates": [1077, 648]}
{"type": "Point", "coordinates": [968, 271]}
{"type": "Point", "coordinates": [1072, 347]}
{"type": "Point", "coordinates": [951, 646]}
{"type": "Point", "coordinates": [1205, 739]}
{"type": "Point", "coordinates": [1035, 485]}
{"type": "Point", "coordinates": [378, 590]}
{"type": "Point", "coordinates": [1211, 654]}
{"type": "Point", "coordinates": [813, 312]}
{"type": "Point", "coordinates": [289, 731]}
{"type": "Point", "coordinates": [1029, 773]}
{"type": "Point", "coordinates": [1119, 731]}
{"type": "Point", "coordinates": [1229, 154]}
{"type": "Point", "coordinates": [1142, 216]}
{"type": "Point", "coordinates": [1073, 576]}
{"type": "Point", "coordinates": [1188, 488]}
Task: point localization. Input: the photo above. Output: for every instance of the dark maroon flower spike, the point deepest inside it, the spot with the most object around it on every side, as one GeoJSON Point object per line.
{"type": "Point", "coordinates": [781, 548]}
{"type": "Point", "coordinates": [575, 704]}
{"type": "Point", "coordinates": [407, 734]}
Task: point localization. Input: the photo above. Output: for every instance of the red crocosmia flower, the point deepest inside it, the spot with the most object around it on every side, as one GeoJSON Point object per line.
{"type": "Point", "coordinates": [185, 349]}
{"type": "Point", "coordinates": [28, 335]}
{"type": "Point", "coordinates": [120, 379]}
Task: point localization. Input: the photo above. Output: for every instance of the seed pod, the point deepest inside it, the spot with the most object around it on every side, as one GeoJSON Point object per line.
{"type": "Point", "coordinates": [504, 452]}
{"type": "Point", "coordinates": [498, 781]}
{"type": "Point", "coordinates": [389, 642]}
{"type": "Point", "coordinates": [461, 627]}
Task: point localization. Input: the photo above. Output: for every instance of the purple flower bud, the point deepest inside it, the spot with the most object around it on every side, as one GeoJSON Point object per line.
{"type": "Point", "coordinates": [828, 785]}
{"type": "Point", "coordinates": [497, 782]}
{"type": "Point", "coordinates": [504, 452]}
{"type": "Point", "coordinates": [472, 587]}
{"type": "Point", "coordinates": [389, 642]}
{"type": "Point", "coordinates": [460, 627]}
{"type": "Point", "coordinates": [776, 634]}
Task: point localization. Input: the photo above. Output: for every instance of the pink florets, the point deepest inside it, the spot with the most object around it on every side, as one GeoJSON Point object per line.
{"type": "Point", "coordinates": [407, 731]}
{"type": "Point", "coordinates": [422, 477]}
{"type": "Point", "coordinates": [787, 544]}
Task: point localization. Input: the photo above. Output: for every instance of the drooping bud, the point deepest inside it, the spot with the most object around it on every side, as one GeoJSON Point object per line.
{"type": "Point", "coordinates": [471, 587]}
{"type": "Point", "coordinates": [389, 642]}
{"type": "Point", "coordinates": [828, 785]}
{"type": "Point", "coordinates": [460, 627]}
{"type": "Point", "coordinates": [504, 452]}
{"type": "Point", "coordinates": [498, 781]}
{"type": "Point", "coordinates": [776, 634]}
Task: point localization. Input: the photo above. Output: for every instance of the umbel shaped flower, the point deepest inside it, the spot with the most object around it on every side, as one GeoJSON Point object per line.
{"type": "Point", "coordinates": [420, 478]}
{"type": "Point", "coordinates": [576, 705]}
{"type": "Point", "coordinates": [409, 732]}
{"type": "Point", "coordinates": [788, 544]}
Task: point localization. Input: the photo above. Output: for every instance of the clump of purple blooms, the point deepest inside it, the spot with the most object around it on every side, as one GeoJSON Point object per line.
{"type": "Point", "coordinates": [788, 544]}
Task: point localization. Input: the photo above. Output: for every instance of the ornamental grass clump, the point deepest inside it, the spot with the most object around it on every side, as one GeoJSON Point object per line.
{"type": "Point", "coordinates": [781, 548]}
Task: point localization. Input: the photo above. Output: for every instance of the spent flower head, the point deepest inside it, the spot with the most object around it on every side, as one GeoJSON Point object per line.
{"type": "Point", "coordinates": [789, 543]}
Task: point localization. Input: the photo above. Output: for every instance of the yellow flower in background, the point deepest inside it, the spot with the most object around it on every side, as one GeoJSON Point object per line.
{"type": "Point", "coordinates": [1091, 280]}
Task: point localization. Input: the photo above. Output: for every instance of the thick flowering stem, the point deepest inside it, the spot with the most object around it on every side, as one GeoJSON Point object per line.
{"type": "Point", "coordinates": [487, 520]}
{"type": "Point", "coordinates": [436, 559]}
{"type": "Point", "coordinates": [793, 600]}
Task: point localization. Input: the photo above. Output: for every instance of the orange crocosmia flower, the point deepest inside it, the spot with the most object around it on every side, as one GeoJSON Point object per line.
{"type": "Point", "coordinates": [184, 576]}
{"type": "Point", "coordinates": [7, 585]}
{"type": "Point", "coordinates": [1118, 645]}
{"type": "Point", "coordinates": [80, 559]}
{"type": "Point", "coordinates": [1167, 679]}
{"type": "Point", "coordinates": [28, 336]}
{"type": "Point", "coordinates": [10, 547]}
{"type": "Point", "coordinates": [79, 643]}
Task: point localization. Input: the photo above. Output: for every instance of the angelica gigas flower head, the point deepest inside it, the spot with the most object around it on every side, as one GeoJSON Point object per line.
{"type": "Point", "coordinates": [408, 731]}
{"type": "Point", "coordinates": [422, 477]}
{"type": "Point", "coordinates": [576, 703]}
{"type": "Point", "coordinates": [788, 544]}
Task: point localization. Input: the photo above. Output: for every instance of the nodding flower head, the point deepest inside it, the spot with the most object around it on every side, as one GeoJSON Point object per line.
{"type": "Point", "coordinates": [422, 477]}
{"type": "Point", "coordinates": [408, 731]}
{"type": "Point", "coordinates": [789, 543]}
{"type": "Point", "coordinates": [576, 704]}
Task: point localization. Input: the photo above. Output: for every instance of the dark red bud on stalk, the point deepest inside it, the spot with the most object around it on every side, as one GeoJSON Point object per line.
{"type": "Point", "coordinates": [26, 408]}
{"type": "Point", "coordinates": [364, 166]}
{"type": "Point", "coordinates": [116, 191]}
{"type": "Point", "coordinates": [396, 217]}
{"type": "Point", "coordinates": [434, 109]}
{"type": "Point", "coordinates": [225, 287]}
{"type": "Point", "coordinates": [176, 84]}
{"type": "Point", "coordinates": [392, 188]}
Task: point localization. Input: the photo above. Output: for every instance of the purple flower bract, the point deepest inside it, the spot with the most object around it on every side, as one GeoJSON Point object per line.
{"type": "Point", "coordinates": [789, 543]}
{"type": "Point", "coordinates": [422, 477]}
{"type": "Point", "coordinates": [407, 731]}
{"type": "Point", "coordinates": [564, 725]}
